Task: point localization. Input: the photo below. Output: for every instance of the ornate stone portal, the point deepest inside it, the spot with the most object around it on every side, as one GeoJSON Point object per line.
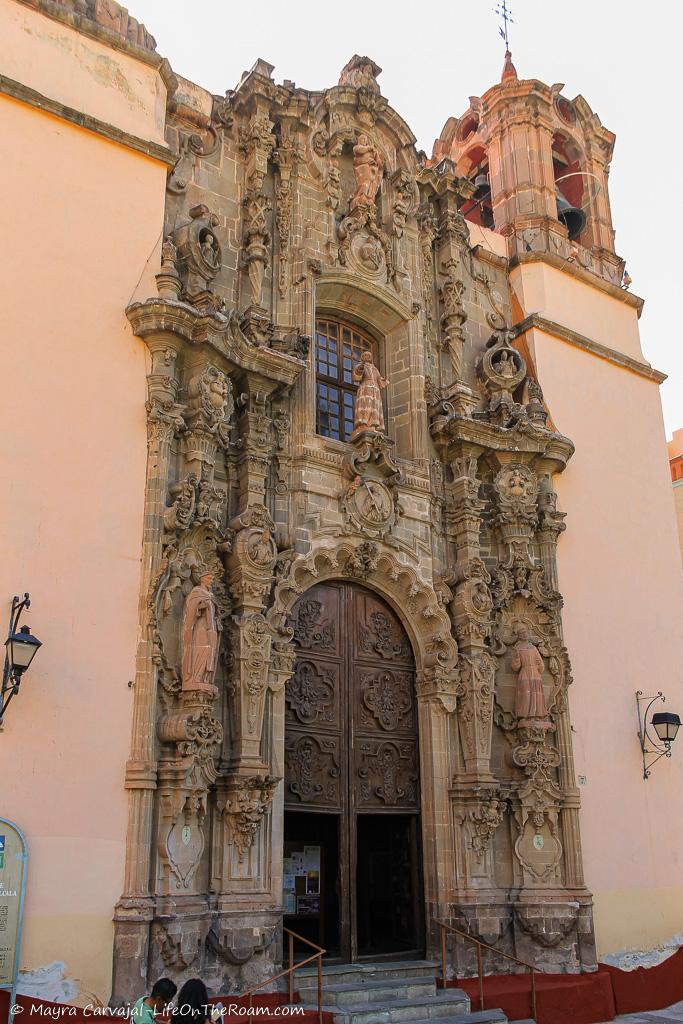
{"type": "Point", "coordinates": [443, 505]}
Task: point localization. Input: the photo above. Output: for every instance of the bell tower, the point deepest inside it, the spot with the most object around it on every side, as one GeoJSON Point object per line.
{"type": "Point", "coordinates": [539, 162]}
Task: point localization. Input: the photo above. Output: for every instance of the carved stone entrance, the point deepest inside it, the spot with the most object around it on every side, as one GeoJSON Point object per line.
{"type": "Point", "coordinates": [352, 786]}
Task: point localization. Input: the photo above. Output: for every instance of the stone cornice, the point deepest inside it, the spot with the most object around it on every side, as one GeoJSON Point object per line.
{"type": "Point", "coordinates": [535, 320]}
{"type": "Point", "coordinates": [22, 93]}
{"type": "Point", "coordinates": [220, 333]}
{"type": "Point", "coordinates": [523, 438]}
{"type": "Point", "coordinates": [577, 271]}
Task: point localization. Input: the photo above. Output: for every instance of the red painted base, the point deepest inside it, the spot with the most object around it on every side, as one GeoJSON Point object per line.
{"type": "Point", "coordinates": [560, 998]}
{"type": "Point", "coordinates": [647, 988]}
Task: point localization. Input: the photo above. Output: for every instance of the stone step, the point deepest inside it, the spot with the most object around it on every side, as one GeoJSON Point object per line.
{"type": "Point", "coordinates": [377, 990]}
{"type": "Point", "coordinates": [348, 974]}
{"type": "Point", "coordinates": [481, 1017]}
{"type": "Point", "coordinates": [445, 1005]}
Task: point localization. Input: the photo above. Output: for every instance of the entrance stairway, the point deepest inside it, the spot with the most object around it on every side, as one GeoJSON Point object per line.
{"type": "Point", "coordinates": [389, 993]}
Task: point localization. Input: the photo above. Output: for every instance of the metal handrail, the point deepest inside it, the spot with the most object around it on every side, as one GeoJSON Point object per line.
{"type": "Point", "coordinates": [289, 973]}
{"type": "Point", "coordinates": [480, 977]}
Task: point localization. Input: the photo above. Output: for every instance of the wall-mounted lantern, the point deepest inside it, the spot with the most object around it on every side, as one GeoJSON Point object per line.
{"type": "Point", "coordinates": [665, 724]}
{"type": "Point", "coordinates": [20, 650]}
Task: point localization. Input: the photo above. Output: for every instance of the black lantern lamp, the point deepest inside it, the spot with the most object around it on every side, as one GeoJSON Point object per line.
{"type": "Point", "coordinates": [20, 650]}
{"type": "Point", "coordinates": [665, 724]}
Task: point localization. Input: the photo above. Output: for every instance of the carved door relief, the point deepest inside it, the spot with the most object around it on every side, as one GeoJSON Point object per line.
{"type": "Point", "coordinates": [351, 751]}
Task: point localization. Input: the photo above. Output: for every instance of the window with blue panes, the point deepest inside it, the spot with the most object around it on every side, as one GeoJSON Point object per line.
{"type": "Point", "coordinates": [338, 349]}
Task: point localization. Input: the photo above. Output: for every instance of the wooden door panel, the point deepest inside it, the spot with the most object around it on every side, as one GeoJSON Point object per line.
{"type": "Point", "coordinates": [387, 775]}
{"type": "Point", "coordinates": [351, 741]}
{"type": "Point", "coordinates": [378, 633]}
{"type": "Point", "coordinates": [384, 700]}
{"type": "Point", "coordinates": [313, 771]}
{"type": "Point", "coordinates": [315, 621]}
{"type": "Point", "coordinates": [313, 696]}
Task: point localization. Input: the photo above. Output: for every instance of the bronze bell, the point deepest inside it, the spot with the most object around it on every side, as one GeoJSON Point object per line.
{"type": "Point", "coordinates": [481, 185]}
{"type": "Point", "coordinates": [573, 218]}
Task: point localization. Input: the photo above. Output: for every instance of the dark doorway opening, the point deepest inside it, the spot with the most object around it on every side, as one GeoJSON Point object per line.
{"type": "Point", "coordinates": [388, 912]}
{"type": "Point", "coordinates": [313, 914]}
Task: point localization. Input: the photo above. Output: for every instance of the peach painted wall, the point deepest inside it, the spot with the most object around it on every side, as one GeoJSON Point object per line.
{"type": "Point", "coordinates": [620, 574]}
{"type": "Point", "coordinates": [540, 288]}
{"type": "Point", "coordinates": [81, 72]}
{"type": "Point", "coordinates": [85, 217]}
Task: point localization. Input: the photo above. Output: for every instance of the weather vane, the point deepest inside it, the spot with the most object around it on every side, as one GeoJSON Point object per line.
{"type": "Point", "coordinates": [505, 14]}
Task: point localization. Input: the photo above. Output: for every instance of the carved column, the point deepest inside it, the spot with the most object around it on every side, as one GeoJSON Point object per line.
{"type": "Point", "coordinates": [134, 910]}
{"type": "Point", "coordinates": [453, 239]}
{"type": "Point", "coordinates": [471, 613]}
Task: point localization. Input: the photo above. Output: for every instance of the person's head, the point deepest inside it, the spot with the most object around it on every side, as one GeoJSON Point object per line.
{"type": "Point", "coordinates": [162, 993]}
{"type": "Point", "coordinates": [522, 633]}
{"type": "Point", "coordinates": [193, 1000]}
{"type": "Point", "coordinates": [366, 357]}
{"type": "Point", "coordinates": [206, 579]}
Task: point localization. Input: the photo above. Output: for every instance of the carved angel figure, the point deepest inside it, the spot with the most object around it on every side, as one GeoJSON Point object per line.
{"type": "Point", "coordinates": [528, 663]}
{"type": "Point", "coordinates": [367, 167]}
{"type": "Point", "coordinates": [201, 637]}
{"type": "Point", "coordinates": [369, 413]}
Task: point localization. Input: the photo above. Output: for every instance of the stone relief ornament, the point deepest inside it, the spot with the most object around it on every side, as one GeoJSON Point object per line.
{"type": "Point", "coordinates": [246, 804]}
{"type": "Point", "coordinates": [360, 73]}
{"type": "Point", "coordinates": [362, 240]}
{"type": "Point", "coordinates": [484, 820]}
{"type": "Point", "coordinates": [257, 240]}
{"type": "Point", "coordinates": [199, 251]}
{"type": "Point", "coordinates": [502, 369]}
{"type": "Point", "coordinates": [201, 637]}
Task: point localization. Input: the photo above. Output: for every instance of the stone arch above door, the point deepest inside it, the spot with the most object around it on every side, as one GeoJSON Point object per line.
{"type": "Point", "coordinates": [412, 598]}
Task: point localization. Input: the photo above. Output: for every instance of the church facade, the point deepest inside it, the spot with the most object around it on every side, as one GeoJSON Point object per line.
{"type": "Point", "coordinates": [364, 418]}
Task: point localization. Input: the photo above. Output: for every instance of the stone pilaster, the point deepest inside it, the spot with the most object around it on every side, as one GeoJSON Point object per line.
{"type": "Point", "coordinates": [134, 910]}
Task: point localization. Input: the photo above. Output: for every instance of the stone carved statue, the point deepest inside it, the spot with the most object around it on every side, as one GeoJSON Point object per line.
{"type": "Point", "coordinates": [506, 366]}
{"type": "Point", "coordinates": [201, 637]}
{"type": "Point", "coordinates": [527, 662]}
{"type": "Point", "coordinates": [369, 413]}
{"type": "Point", "coordinates": [208, 247]}
{"type": "Point", "coordinates": [367, 167]}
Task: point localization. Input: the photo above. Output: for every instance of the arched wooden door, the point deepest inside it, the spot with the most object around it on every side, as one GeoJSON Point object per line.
{"type": "Point", "coordinates": [352, 789]}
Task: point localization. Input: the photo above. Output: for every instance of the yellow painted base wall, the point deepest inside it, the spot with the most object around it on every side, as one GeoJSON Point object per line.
{"type": "Point", "coordinates": [84, 217]}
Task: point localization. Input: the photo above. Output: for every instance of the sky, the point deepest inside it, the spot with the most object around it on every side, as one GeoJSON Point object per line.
{"type": "Point", "coordinates": [623, 57]}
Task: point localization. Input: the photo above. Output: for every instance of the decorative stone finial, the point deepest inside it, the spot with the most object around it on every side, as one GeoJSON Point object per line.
{"type": "Point", "coordinates": [509, 69]}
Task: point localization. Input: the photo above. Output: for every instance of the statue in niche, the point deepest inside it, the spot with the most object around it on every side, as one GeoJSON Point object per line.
{"type": "Point", "coordinates": [260, 549]}
{"type": "Point", "coordinates": [208, 246]}
{"type": "Point", "coordinates": [369, 412]}
{"type": "Point", "coordinates": [530, 705]}
{"type": "Point", "coordinates": [506, 365]}
{"type": "Point", "coordinates": [201, 637]}
{"type": "Point", "coordinates": [367, 167]}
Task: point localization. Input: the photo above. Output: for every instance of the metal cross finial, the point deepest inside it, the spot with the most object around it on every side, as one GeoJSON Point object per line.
{"type": "Point", "coordinates": [505, 14]}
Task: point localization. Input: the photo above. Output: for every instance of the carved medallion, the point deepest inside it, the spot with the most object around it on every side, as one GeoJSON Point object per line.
{"type": "Point", "coordinates": [309, 694]}
{"type": "Point", "coordinates": [389, 699]}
